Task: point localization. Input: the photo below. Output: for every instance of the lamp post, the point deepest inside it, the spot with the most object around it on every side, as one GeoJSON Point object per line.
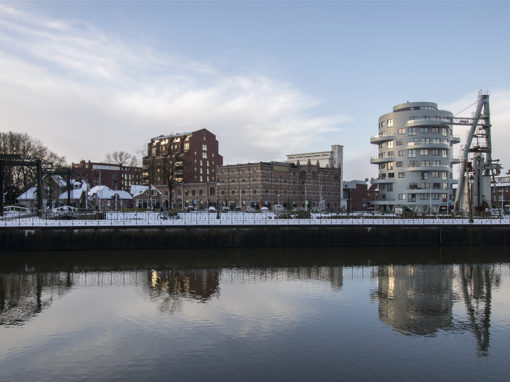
{"type": "Point", "coordinates": [217, 199]}
{"type": "Point", "coordinates": [470, 201]}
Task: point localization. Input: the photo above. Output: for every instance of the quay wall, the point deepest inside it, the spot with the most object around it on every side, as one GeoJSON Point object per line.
{"type": "Point", "coordinates": [245, 236]}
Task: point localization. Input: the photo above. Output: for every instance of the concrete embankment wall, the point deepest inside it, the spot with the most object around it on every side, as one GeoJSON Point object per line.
{"type": "Point", "coordinates": [88, 238]}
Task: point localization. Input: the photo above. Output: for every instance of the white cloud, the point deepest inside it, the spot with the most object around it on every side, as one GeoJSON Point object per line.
{"type": "Point", "coordinates": [85, 94]}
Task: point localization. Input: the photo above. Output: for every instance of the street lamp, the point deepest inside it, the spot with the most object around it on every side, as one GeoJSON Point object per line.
{"type": "Point", "coordinates": [217, 199]}
{"type": "Point", "coordinates": [470, 197]}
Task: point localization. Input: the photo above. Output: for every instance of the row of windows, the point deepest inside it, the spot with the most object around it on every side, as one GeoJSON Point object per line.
{"type": "Point", "coordinates": [424, 174]}
{"type": "Point", "coordinates": [414, 197]}
{"type": "Point", "coordinates": [434, 130]}
{"type": "Point", "coordinates": [413, 142]}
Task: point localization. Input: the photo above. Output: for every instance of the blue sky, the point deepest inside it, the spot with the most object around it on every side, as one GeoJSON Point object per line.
{"type": "Point", "coordinates": [268, 78]}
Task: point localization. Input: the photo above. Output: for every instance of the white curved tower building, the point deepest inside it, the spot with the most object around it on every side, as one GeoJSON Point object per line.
{"type": "Point", "coordinates": [415, 158]}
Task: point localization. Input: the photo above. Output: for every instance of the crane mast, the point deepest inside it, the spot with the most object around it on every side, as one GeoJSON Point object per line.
{"type": "Point", "coordinates": [476, 164]}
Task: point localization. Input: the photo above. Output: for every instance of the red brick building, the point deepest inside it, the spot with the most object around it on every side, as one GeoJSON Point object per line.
{"type": "Point", "coordinates": [269, 183]}
{"type": "Point", "coordinates": [114, 176]}
{"type": "Point", "coordinates": [193, 156]}
{"type": "Point", "coordinates": [355, 195]}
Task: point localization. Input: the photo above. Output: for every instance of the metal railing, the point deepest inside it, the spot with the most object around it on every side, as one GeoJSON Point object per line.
{"type": "Point", "coordinates": [149, 219]}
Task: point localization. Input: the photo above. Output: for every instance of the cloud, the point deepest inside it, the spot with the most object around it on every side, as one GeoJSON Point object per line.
{"type": "Point", "coordinates": [83, 94]}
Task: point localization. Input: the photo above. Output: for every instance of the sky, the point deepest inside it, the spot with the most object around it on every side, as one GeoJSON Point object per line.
{"type": "Point", "coordinates": [267, 78]}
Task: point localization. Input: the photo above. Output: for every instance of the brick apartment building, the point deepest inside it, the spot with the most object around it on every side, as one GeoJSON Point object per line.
{"type": "Point", "coordinates": [289, 184]}
{"type": "Point", "coordinates": [355, 195]}
{"type": "Point", "coordinates": [195, 158]}
{"type": "Point", "coordinates": [114, 176]}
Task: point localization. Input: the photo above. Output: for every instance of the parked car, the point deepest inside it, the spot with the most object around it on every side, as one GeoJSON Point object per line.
{"type": "Point", "coordinates": [264, 209]}
{"type": "Point", "coordinates": [250, 209]}
{"type": "Point", "coordinates": [225, 209]}
{"type": "Point", "coordinates": [211, 209]}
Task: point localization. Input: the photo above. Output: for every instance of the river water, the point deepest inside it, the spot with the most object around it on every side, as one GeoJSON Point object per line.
{"type": "Point", "coordinates": [266, 314]}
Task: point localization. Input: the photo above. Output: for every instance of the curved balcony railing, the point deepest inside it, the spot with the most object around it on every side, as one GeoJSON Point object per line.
{"type": "Point", "coordinates": [377, 160]}
{"type": "Point", "coordinates": [381, 138]}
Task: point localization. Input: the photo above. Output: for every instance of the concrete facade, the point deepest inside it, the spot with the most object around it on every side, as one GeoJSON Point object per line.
{"type": "Point", "coordinates": [415, 159]}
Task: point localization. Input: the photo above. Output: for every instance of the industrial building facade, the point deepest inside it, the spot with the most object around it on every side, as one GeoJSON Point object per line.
{"type": "Point", "coordinates": [415, 159]}
{"type": "Point", "coordinates": [265, 184]}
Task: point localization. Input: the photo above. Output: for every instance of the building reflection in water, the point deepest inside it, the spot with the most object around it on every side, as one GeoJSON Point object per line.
{"type": "Point", "coordinates": [418, 299]}
{"type": "Point", "coordinates": [24, 295]}
{"type": "Point", "coordinates": [415, 299]}
{"type": "Point", "coordinates": [170, 287]}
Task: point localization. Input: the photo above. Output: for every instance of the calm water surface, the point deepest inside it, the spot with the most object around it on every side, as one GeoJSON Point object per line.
{"type": "Point", "coordinates": [280, 314]}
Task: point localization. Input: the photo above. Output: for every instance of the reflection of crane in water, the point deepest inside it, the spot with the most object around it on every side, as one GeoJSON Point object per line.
{"type": "Point", "coordinates": [477, 282]}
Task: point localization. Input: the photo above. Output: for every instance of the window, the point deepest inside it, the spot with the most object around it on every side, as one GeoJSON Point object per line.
{"type": "Point", "coordinates": [411, 197]}
{"type": "Point", "coordinates": [436, 163]}
{"type": "Point", "coordinates": [204, 155]}
{"type": "Point", "coordinates": [413, 163]}
{"type": "Point", "coordinates": [204, 147]}
{"type": "Point", "coordinates": [424, 152]}
{"type": "Point", "coordinates": [390, 165]}
{"type": "Point", "coordinates": [401, 131]}
{"type": "Point", "coordinates": [425, 163]}
{"type": "Point", "coordinates": [411, 153]}
{"type": "Point", "coordinates": [425, 186]}
{"type": "Point", "coordinates": [389, 187]}
{"type": "Point", "coordinates": [424, 175]}
{"type": "Point", "coordinates": [391, 175]}
{"type": "Point", "coordinates": [434, 174]}
{"type": "Point", "coordinates": [444, 175]}
{"type": "Point", "coordinates": [390, 122]}
{"type": "Point", "coordinates": [444, 154]}
{"type": "Point", "coordinates": [424, 129]}
{"type": "Point", "coordinates": [400, 164]}
{"type": "Point", "coordinates": [390, 144]}
{"type": "Point", "coordinates": [401, 196]}
{"type": "Point", "coordinates": [401, 153]}
{"type": "Point", "coordinates": [401, 174]}
{"type": "Point", "coordinates": [400, 142]}
{"type": "Point", "coordinates": [411, 131]}
{"type": "Point", "coordinates": [424, 196]}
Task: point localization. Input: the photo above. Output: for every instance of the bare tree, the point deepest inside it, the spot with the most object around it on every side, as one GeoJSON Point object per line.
{"type": "Point", "coordinates": [169, 172]}
{"type": "Point", "coordinates": [19, 178]}
{"type": "Point", "coordinates": [121, 157]}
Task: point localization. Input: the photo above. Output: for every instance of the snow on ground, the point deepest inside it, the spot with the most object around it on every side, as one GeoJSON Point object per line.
{"type": "Point", "coordinates": [236, 218]}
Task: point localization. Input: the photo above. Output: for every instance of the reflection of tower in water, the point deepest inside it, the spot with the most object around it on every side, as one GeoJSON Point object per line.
{"type": "Point", "coordinates": [415, 299]}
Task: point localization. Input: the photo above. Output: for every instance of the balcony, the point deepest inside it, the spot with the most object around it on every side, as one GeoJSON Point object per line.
{"type": "Point", "coordinates": [427, 122]}
{"type": "Point", "coordinates": [377, 160]}
{"type": "Point", "coordinates": [383, 181]}
{"type": "Point", "coordinates": [381, 138]}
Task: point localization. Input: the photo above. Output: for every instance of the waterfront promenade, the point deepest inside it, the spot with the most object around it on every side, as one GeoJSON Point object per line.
{"type": "Point", "coordinates": [122, 231]}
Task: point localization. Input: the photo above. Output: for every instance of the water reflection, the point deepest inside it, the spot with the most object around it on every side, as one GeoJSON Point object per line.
{"type": "Point", "coordinates": [170, 287]}
{"type": "Point", "coordinates": [415, 299]}
{"type": "Point", "coordinates": [24, 295]}
{"type": "Point", "coordinates": [419, 299]}
{"type": "Point", "coordinates": [477, 282]}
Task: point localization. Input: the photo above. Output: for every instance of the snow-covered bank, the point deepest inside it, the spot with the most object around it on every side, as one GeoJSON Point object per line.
{"type": "Point", "coordinates": [240, 218]}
